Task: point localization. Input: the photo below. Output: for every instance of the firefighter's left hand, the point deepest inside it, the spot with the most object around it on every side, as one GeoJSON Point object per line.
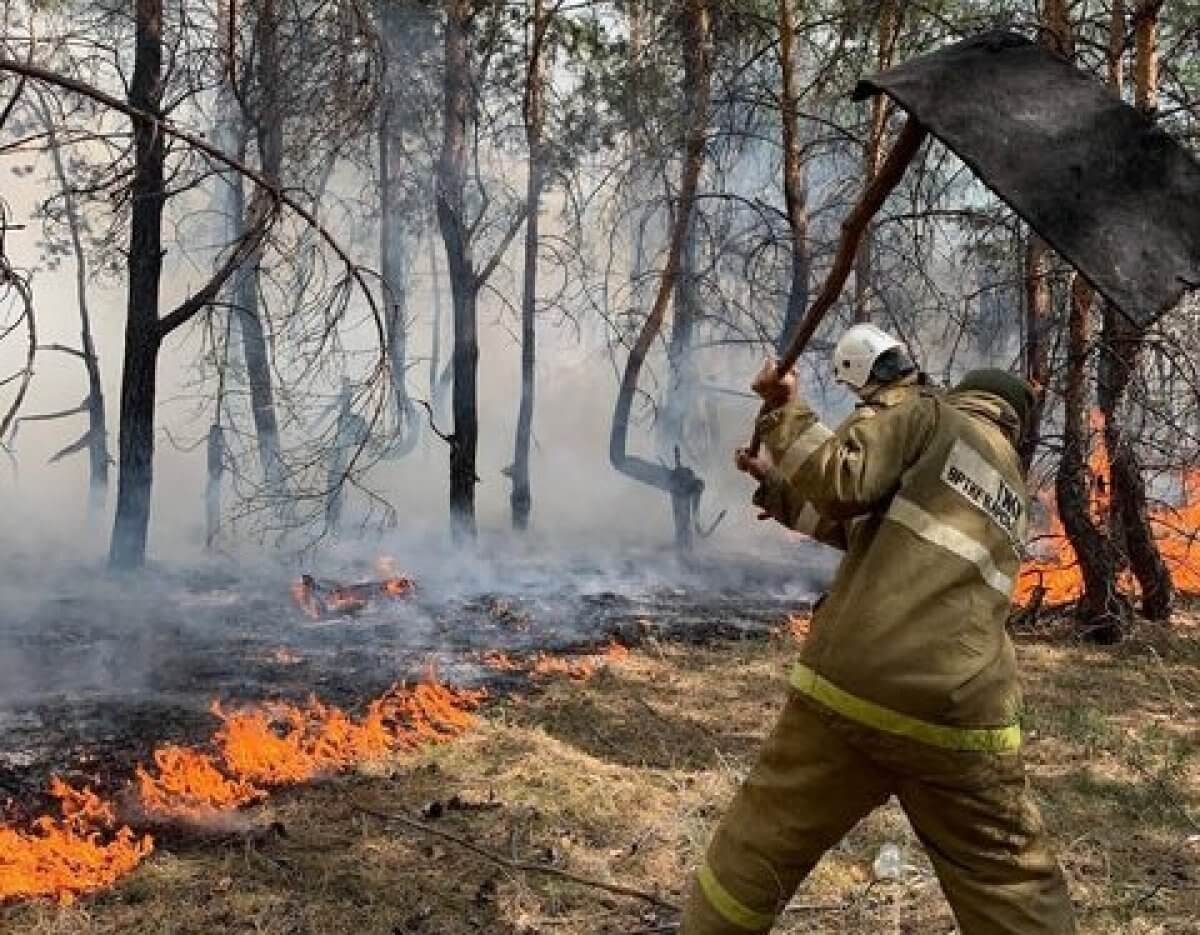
{"type": "Point", "coordinates": [754, 465]}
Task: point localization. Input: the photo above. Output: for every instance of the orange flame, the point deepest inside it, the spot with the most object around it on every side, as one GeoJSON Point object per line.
{"type": "Point", "coordinates": [319, 602]}
{"type": "Point", "coordinates": [278, 744]}
{"type": "Point", "coordinates": [256, 748]}
{"type": "Point", "coordinates": [1056, 569]}
{"type": "Point", "coordinates": [795, 627]}
{"type": "Point", "coordinates": [579, 668]}
{"type": "Point", "coordinates": [304, 596]}
{"type": "Point", "coordinates": [187, 782]}
{"type": "Point", "coordinates": [63, 857]}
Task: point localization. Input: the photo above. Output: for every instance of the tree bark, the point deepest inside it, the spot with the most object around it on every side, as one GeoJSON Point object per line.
{"type": "Point", "coordinates": [795, 180]}
{"type": "Point", "coordinates": [681, 377]}
{"type": "Point", "coordinates": [97, 432]}
{"type": "Point", "coordinates": [437, 381]}
{"type": "Point", "coordinates": [1123, 344]}
{"type": "Point", "coordinates": [212, 488]}
{"type": "Point", "coordinates": [350, 434]}
{"type": "Point", "coordinates": [1102, 610]}
{"type": "Point", "coordinates": [521, 499]}
{"type": "Point", "coordinates": [1056, 35]}
{"type": "Point", "coordinates": [135, 475]}
{"type": "Point", "coordinates": [451, 206]}
{"type": "Point", "coordinates": [890, 15]}
{"type": "Point", "coordinates": [268, 126]}
{"type": "Point", "coordinates": [682, 483]}
{"type": "Point", "coordinates": [396, 22]}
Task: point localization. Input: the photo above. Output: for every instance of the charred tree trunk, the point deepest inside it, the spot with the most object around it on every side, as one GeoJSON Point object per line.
{"type": "Point", "coordinates": [682, 483]}
{"type": "Point", "coordinates": [795, 181]}
{"type": "Point", "coordinates": [451, 207]}
{"type": "Point", "coordinates": [1103, 611]}
{"type": "Point", "coordinates": [437, 382]}
{"type": "Point", "coordinates": [393, 236]}
{"type": "Point", "coordinates": [135, 476]}
{"type": "Point", "coordinates": [890, 12]}
{"type": "Point", "coordinates": [521, 499]}
{"type": "Point", "coordinates": [1123, 344]}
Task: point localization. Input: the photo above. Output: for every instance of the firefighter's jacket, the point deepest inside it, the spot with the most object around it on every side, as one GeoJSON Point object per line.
{"type": "Point", "coordinates": [924, 491]}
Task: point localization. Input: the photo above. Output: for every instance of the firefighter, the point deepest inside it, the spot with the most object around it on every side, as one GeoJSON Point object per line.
{"type": "Point", "coordinates": [874, 366]}
{"type": "Point", "coordinates": [907, 683]}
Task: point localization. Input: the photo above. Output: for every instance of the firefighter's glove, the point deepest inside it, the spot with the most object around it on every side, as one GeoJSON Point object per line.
{"type": "Point", "coordinates": [775, 391]}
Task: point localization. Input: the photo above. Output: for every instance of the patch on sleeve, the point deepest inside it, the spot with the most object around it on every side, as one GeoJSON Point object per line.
{"type": "Point", "coordinates": [968, 473]}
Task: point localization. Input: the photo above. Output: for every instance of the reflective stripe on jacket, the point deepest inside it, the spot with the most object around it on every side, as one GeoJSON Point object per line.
{"type": "Point", "coordinates": [925, 493]}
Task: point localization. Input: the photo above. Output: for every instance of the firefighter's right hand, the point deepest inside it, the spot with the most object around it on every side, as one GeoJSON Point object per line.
{"type": "Point", "coordinates": [775, 391]}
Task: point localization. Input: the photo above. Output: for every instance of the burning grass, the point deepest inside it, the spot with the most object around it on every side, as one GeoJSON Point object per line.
{"type": "Point", "coordinates": [61, 857]}
{"type": "Point", "coordinates": [622, 779]}
{"type": "Point", "coordinates": [257, 748]}
{"type": "Point", "coordinates": [545, 665]}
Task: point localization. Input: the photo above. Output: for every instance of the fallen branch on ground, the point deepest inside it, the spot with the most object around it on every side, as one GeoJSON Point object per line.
{"type": "Point", "coordinates": [518, 865]}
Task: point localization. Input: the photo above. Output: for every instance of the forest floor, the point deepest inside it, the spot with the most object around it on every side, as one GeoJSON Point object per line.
{"type": "Point", "coordinates": [620, 778]}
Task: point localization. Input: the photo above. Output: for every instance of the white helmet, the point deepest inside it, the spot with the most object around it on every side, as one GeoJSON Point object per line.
{"type": "Point", "coordinates": [855, 354]}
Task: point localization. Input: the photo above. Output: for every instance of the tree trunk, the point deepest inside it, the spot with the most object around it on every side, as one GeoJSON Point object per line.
{"type": "Point", "coordinates": [268, 124]}
{"type": "Point", "coordinates": [1038, 314]}
{"type": "Point", "coordinates": [521, 499]}
{"type": "Point", "coordinates": [1056, 35]}
{"type": "Point", "coordinates": [682, 483]}
{"type": "Point", "coordinates": [136, 445]}
{"type": "Point", "coordinates": [350, 434]}
{"type": "Point", "coordinates": [795, 180]}
{"type": "Point", "coordinates": [1103, 611]}
{"type": "Point", "coordinates": [451, 184]}
{"type": "Point", "coordinates": [97, 433]}
{"type": "Point", "coordinates": [890, 14]}
{"type": "Point", "coordinates": [212, 487]}
{"type": "Point", "coordinates": [1122, 344]}
{"type": "Point", "coordinates": [681, 376]}
{"type": "Point", "coordinates": [437, 379]}
{"type": "Point", "coordinates": [396, 24]}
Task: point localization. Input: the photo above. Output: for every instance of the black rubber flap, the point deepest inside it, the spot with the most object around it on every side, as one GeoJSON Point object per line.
{"type": "Point", "coordinates": [1110, 191]}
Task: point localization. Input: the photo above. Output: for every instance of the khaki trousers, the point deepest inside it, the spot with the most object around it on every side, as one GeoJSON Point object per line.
{"type": "Point", "coordinates": [819, 773]}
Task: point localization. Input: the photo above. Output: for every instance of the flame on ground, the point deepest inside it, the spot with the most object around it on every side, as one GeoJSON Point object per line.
{"type": "Point", "coordinates": [1055, 572]}
{"type": "Point", "coordinates": [61, 858]}
{"type": "Point", "coordinates": [276, 744]}
{"type": "Point", "coordinates": [186, 781]}
{"type": "Point", "coordinates": [541, 665]}
{"type": "Point", "coordinates": [255, 748]}
{"type": "Point", "coordinates": [794, 627]}
{"type": "Point", "coordinates": [321, 601]}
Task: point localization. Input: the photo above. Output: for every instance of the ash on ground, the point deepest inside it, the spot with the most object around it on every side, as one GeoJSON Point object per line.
{"type": "Point", "coordinates": [96, 671]}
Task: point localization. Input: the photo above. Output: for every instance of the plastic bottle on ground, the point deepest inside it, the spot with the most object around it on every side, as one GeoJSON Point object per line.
{"type": "Point", "coordinates": [889, 863]}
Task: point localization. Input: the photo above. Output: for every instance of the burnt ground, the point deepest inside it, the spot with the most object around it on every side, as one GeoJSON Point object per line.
{"type": "Point", "coordinates": [97, 671]}
{"type": "Point", "coordinates": [620, 779]}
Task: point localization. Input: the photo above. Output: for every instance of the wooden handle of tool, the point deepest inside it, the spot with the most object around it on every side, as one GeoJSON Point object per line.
{"type": "Point", "coordinates": [887, 178]}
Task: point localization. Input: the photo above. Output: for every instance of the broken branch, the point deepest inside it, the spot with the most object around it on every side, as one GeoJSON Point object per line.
{"type": "Point", "coordinates": [517, 865]}
{"type": "Point", "coordinates": [873, 197]}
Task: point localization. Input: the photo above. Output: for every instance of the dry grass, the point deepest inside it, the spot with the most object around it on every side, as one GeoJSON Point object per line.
{"type": "Point", "coordinates": [621, 778]}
